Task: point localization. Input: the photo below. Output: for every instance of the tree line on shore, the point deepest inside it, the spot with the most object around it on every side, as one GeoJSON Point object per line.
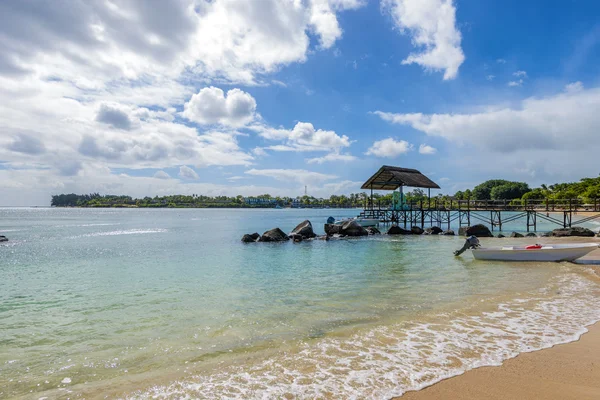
{"type": "Point", "coordinates": [586, 190]}
{"type": "Point", "coordinates": [194, 200]}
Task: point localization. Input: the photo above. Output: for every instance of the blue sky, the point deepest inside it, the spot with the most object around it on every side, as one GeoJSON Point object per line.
{"type": "Point", "coordinates": [230, 97]}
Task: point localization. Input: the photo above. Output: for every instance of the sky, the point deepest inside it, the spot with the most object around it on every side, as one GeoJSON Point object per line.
{"type": "Point", "coordinates": [228, 97]}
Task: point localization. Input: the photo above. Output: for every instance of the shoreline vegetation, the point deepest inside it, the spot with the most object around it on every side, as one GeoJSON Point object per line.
{"type": "Point", "coordinates": [584, 192]}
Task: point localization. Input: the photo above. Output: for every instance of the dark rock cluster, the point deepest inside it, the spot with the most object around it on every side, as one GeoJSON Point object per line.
{"type": "Point", "coordinates": [415, 230]}
{"type": "Point", "coordinates": [351, 228]}
{"type": "Point", "coordinates": [574, 231]}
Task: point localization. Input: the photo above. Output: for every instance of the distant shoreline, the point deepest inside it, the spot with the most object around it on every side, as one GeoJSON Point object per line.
{"type": "Point", "coordinates": [201, 206]}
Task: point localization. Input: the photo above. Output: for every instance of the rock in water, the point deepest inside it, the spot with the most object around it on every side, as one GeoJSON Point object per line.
{"type": "Point", "coordinates": [332, 229]}
{"type": "Point", "coordinates": [305, 230]}
{"type": "Point", "coordinates": [372, 230]}
{"type": "Point", "coordinates": [296, 237]}
{"type": "Point", "coordinates": [575, 231]}
{"type": "Point", "coordinates": [396, 230]}
{"type": "Point", "coordinates": [478, 230]}
{"type": "Point", "coordinates": [416, 230]}
{"type": "Point", "coordinates": [462, 231]}
{"type": "Point", "coordinates": [531, 234]}
{"type": "Point", "coordinates": [353, 228]}
{"type": "Point", "coordinates": [274, 235]}
{"type": "Point", "coordinates": [516, 235]}
{"type": "Point", "coordinates": [500, 236]}
{"type": "Point", "coordinates": [3, 238]}
{"type": "Point", "coordinates": [449, 232]}
{"type": "Point", "coordinates": [250, 238]}
{"type": "Point", "coordinates": [434, 230]}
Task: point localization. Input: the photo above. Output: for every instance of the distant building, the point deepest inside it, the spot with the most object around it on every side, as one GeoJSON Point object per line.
{"type": "Point", "coordinates": [259, 201]}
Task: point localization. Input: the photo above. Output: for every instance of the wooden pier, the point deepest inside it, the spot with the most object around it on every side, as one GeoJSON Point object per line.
{"type": "Point", "coordinates": [493, 213]}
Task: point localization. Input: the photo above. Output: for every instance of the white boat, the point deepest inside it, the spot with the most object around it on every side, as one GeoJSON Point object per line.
{"type": "Point", "coordinates": [367, 221]}
{"type": "Point", "coordinates": [546, 252]}
{"type": "Point", "coordinates": [361, 221]}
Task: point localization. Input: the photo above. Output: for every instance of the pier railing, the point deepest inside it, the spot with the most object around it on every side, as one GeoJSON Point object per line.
{"type": "Point", "coordinates": [504, 205]}
{"type": "Point", "coordinates": [442, 212]}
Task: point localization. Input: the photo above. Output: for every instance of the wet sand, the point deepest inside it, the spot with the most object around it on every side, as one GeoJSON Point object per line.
{"type": "Point", "coordinates": [568, 371]}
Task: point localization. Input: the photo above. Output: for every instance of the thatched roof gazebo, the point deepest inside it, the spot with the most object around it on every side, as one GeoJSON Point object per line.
{"type": "Point", "coordinates": [392, 178]}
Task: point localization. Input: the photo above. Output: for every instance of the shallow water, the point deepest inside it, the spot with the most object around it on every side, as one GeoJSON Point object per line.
{"type": "Point", "coordinates": [168, 303]}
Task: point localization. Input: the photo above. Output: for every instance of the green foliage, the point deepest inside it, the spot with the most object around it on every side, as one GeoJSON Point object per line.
{"type": "Point", "coordinates": [201, 201]}
{"type": "Point", "coordinates": [586, 190]}
{"type": "Point", "coordinates": [499, 189]}
{"type": "Point", "coordinates": [535, 194]}
{"type": "Point", "coordinates": [483, 191]}
{"type": "Point", "coordinates": [509, 191]}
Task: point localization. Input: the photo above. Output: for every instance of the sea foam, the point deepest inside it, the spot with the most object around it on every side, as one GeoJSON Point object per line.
{"type": "Point", "coordinates": [387, 361]}
{"type": "Point", "coordinates": [121, 232]}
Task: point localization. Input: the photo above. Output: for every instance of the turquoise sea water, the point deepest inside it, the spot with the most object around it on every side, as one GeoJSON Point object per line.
{"type": "Point", "coordinates": [169, 303]}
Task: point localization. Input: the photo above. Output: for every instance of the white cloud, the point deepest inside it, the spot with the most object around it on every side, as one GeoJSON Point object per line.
{"type": "Point", "coordinates": [114, 116]}
{"type": "Point", "coordinates": [331, 157]}
{"type": "Point", "coordinates": [574, 87]}
{"type": "Point", "coordinates": [235, 178]}
{"type": "Point", "coordinates": [520, 74]}
{"type": "Point", "coordinates": [240, 42]}
{"type": "Point", "coordinates": [27, 144]}
{"type": "Point", "coordinates": [259, 152]}
{"type": "Point", "coordinates": [211, 106]}
{"type": "Point", "coordinates": [558, 122]}
{"type": "Point", "coordinates": [431, 25]}
{"type": "Point", "coordinates": [337, 188]}
{"type": "Point", "coordinates": [501, 61]}
{"type": "Point", "coordinates": [324, 23]}
{"type": "Point", "coordinates": [303, 137]}
{"type": "Point", "coordinates": [226, 39]}
{"type": "Point", "coordinates": [426, 149]}
{"type": "Point", "coordinates": [389, 148]}
{"type": "Point", "coordinates": [296, 175]}
{"type": "Point", "coordinates": [490, 77]}
{"type": "Point", "coordinates": [347, 4]}
{"type": "Point", "coordinates": [516, 83]}
{"type": "Point", "coordinates": [186, 172]}
{"type": "Point", "coordinates": [97, 85]}
{"type": "Point", "coordinates": [278, 83]}
{"type": "Point", "coordinates": [162, 175]}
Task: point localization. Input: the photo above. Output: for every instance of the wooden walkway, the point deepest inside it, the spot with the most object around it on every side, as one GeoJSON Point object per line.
{"type": "Point", "coordinates": [489, 212]}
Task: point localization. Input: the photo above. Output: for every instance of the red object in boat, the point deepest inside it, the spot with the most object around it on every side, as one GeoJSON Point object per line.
{"type": "Point", "coordinates": [533, 246]}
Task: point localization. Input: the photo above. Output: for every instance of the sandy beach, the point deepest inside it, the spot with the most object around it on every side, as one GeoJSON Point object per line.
{"type": "Point", "coordinates": [568, 371]}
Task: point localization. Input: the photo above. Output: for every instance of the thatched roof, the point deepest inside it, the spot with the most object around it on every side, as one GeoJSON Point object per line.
{"type": "Point", "coordinates": [391, 178]}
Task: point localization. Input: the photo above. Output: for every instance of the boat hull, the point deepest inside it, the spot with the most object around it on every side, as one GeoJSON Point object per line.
{"type": "Point", "coordinates": [364, 222]}
{"type": "Point", "coordinates": [368, 222]}
{"type": "Point", "coordinates": [546, 253]}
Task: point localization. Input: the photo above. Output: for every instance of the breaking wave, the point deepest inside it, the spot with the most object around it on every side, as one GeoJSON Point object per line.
{"type": "Point", "coordinates": [387, 361]}
{"type": "Point", "coordinates": [122, 232]}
